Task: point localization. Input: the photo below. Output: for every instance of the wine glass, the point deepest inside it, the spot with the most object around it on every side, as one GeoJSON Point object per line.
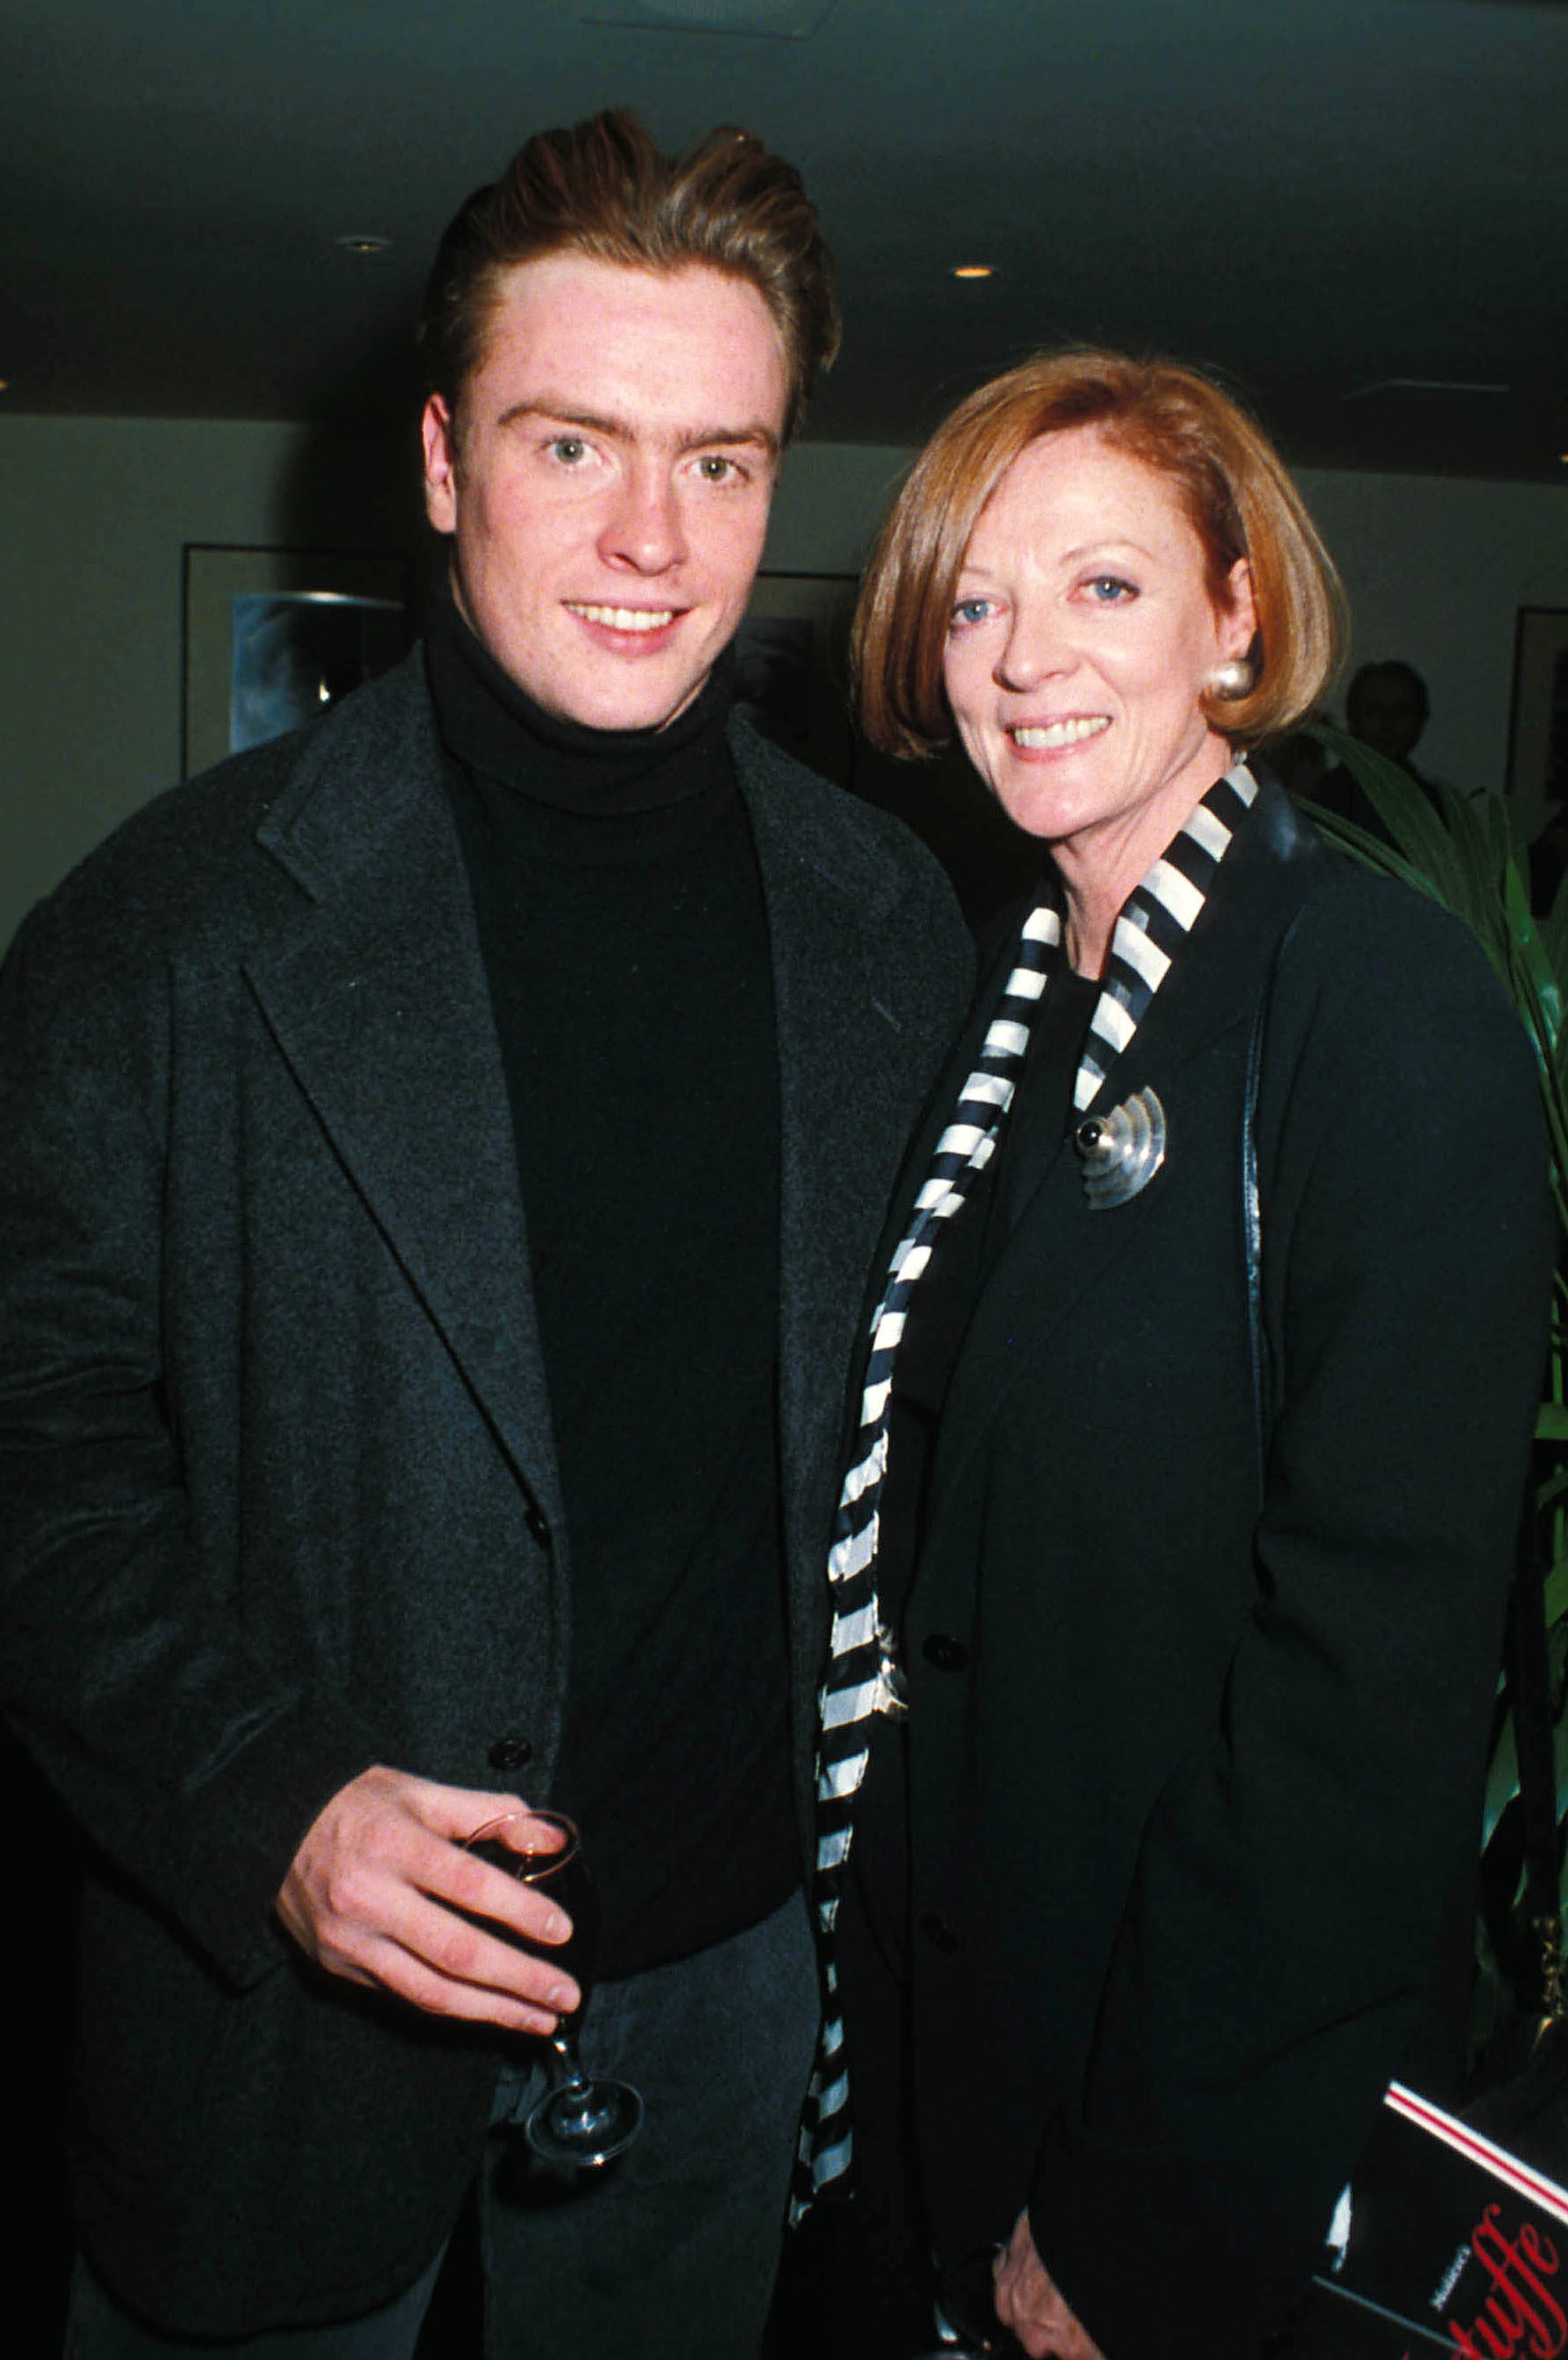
{"type": "Point", "coordinates": [582, 2118]}
{"type": "Point", "coordinates": [966, 2312]}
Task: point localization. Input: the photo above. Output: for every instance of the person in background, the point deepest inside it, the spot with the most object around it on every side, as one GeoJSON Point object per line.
{"type": "Point", "coordinates": [439, 1154]}
{"type": "Point", "coordinates": [1387, 707]}
{"type": "Point", "coordinates": [1171, 1564]}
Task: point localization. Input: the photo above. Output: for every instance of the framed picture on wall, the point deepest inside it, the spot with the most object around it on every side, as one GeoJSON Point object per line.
{"type": "Point", "coordinates": [1538, 726]}
{"type": "Point", "coordinates": [792, 667]}
{"type": "Point", "coordinates": [275, 636]}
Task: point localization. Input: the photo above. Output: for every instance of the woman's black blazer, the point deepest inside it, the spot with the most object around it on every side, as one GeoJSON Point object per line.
{"type": "Point", "coordinates": [1193, 1787]}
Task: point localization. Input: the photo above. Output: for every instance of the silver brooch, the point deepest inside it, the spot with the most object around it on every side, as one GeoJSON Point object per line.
{"type": "Point", "coordinates": [1122, 1150]}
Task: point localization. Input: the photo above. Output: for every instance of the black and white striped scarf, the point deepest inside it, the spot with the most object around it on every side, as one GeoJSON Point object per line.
{"type": "Point", "coordinates": [863, 1677]}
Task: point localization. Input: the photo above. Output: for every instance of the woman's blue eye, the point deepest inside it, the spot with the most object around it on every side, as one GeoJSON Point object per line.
{"type": "Point", "coordinates": [1109, 589]}
{"type": "Point", "coordinates": [972, 611]}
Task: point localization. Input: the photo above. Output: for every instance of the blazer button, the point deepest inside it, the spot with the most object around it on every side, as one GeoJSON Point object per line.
{"type": "Point", "coordinates": [534, 1518]}
{"type": "Point", "coordinates": [944, 1653]}
{"type": "Point", "coordinates": [510, 1753]}
{"type": "Point", "coordinates": [939, 1933]}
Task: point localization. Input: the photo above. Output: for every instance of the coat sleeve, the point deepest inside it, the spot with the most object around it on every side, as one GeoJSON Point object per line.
{"type": "Point", "coordinates": [193, 1761]}
{"type": "Point", "coordinates": [1276, 1954]}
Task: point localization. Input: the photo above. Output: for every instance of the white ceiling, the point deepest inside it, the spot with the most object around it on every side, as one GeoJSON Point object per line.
{"type": "Point", "coordinates": [1322, 198]}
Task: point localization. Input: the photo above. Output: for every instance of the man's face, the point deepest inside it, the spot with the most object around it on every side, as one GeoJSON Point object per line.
{"type": "Point", "coordinates": [1386, 713]}
{"type": "Point", "coordinates": [620, 440]}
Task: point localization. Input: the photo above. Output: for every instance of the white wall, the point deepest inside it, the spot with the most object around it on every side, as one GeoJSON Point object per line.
{"type": "Point", "coordinates": [1437, 572]}
{"type": "Point", "coordinates": [94, 513]}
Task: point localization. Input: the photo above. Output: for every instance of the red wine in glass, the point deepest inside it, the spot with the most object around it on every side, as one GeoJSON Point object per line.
{"type": "Point", "coordinates": [582, 2119]}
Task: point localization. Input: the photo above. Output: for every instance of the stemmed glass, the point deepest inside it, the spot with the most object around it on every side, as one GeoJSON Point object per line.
{"type": "Point", "coordinates": [582, 2119]}
{"type": "Point", "coordinates": [971, 2329]}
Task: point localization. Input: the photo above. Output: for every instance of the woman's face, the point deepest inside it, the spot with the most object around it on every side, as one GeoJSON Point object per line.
{"type": "Point", "coordinates": [1082, 636]}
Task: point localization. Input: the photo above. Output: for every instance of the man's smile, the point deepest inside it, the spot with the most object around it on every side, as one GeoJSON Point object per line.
{"type": "Point", "coordinates": [623, 619]}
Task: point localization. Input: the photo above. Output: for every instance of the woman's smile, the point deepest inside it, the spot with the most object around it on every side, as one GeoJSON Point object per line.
{"type": "Point", "coordinates": [1053, 737]}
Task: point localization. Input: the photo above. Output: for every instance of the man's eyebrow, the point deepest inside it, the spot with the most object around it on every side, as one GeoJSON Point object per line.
{"type": "Point", "coordinates": [593, 421]}
{"type": "Point", "coordinates": [758, 433]}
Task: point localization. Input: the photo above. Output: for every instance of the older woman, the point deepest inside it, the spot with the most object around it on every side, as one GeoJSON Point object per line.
{"type": "Point", "coordinates": [1178, 1519]}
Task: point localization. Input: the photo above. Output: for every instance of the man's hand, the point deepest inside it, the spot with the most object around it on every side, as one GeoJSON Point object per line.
{"type": "Point", "coordinates": [1028, 2304]}
{"type": "Point", "coordinates": [372, 1888]}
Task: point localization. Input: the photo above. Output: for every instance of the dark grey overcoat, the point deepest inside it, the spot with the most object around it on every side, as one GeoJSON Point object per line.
{"type": "Point", "coordinates": [1195, 1785]}
{"type": "Point", "coordinates": [278, 1498]}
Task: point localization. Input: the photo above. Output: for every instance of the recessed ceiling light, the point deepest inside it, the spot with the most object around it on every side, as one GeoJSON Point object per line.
{"type": "Point", "coordinates": [363, 242]}
{"type": "Point", "coordinates": [972, 271]}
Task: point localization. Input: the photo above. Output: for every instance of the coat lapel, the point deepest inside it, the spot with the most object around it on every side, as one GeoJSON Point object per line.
{"type": "Point", "coordinates": [378, 1000]}
{"type": "Point", "coordinates": [1059, 1252]}
{"type": "Point", "coordinates": [840, 1107]}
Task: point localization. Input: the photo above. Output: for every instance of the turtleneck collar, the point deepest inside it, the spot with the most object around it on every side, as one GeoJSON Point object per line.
{"type": "Point", "coordinates": [496, 732]}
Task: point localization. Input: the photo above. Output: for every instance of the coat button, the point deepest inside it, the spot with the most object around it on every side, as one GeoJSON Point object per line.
{"type": "Point", "coordinates": [510, 1753]}
{"type": "Point", "coordinates": [939, 1933]}
{"type": "Point", "coordinates": [944, 1653]}
{"type": "Point", "coordinates": [539, 1529]}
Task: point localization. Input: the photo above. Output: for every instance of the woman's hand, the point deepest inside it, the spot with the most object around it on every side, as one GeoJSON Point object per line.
{"type": "Point", "coordinates": [1028, 2304]}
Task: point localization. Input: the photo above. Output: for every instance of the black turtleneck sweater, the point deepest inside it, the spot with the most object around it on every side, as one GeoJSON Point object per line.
{"type": "Point", "coordinates": [624, 936]}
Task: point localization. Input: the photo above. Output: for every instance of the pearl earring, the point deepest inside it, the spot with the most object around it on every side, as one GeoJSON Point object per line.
{"type": "Point", "coordinates": [1233, 680]}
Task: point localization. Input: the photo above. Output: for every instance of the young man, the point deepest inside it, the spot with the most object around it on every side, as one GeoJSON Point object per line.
{"type": "Point", "coordinates": [440, 1158]}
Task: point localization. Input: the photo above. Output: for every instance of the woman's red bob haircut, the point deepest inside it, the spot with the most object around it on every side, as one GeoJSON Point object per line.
{"type": "Point", "coordinates": [1230, 480]}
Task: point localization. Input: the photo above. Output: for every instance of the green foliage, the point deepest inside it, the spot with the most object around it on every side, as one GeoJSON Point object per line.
{"type": "Point", "coordinates": [1469, 859]}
